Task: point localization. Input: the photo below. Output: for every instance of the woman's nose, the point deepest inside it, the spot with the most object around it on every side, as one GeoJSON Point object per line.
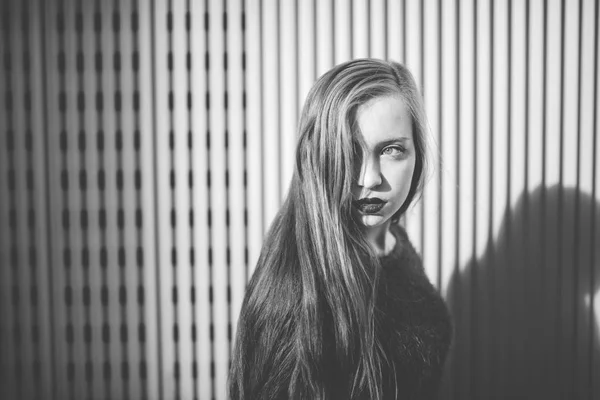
{"type": "Point", "coordinates": [370, 173]}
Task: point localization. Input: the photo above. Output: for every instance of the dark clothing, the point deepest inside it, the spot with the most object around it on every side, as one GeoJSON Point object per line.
{"type": "Point", "coordinates": [413, 325]}
{"type": "Point", "coordinates": [412, 329]}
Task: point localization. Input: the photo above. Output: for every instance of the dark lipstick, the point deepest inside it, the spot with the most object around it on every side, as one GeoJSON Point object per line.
{"type": "Point", "coordinates": [370, 205]}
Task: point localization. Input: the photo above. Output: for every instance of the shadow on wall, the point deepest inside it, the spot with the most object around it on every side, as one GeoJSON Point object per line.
{"type": "Point", "coordinates": [525, 323]}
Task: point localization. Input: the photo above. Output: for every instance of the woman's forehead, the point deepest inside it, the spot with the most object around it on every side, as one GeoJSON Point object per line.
{"type": "Point", "coordinates": [383, 119]}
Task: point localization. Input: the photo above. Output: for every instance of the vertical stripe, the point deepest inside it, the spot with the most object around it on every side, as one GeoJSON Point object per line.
{"type": "Point", "coordinates": [218, 197]}
{"type": "Point", "coordinates": [111, 134]}
{"type": "Point", "coordinates": [91, 163]}
{"type": "Point", "coordinates": [151, 195]}
{"type": "Point", "coordinates": [72, 205]}
{"type": "Point", "coordinates": [413, 62]}
{"type": "Point", "coordinates": [271, 111]}
{"type": "Point", "coordinates": [342, 21]}
{"type": "Point", "coordinates": [306, 47]}
{"type": "Point", "coordinates": [162, 158]}
{"type": "Point", "coordinates": [360, 29]}
{"type": "Point", "coordinates": [46, 251]}
{"type": "Point", "coordinates": [395, 50]}
{"type": "Point", "coordinates": [584, 284]}
{"type": "Point", "coordinates": [236, 128]}
{"type": "Point", "coordinates": [324, 38]}
{"type": "Point", "coordinates": [568, 178]}
{"type": "Point", "coordinates": [254, 135]}
{"type": "Point", "coordinates": [377, 22]}
{"type": "Point", "coordinates": [501, 217]}
{"type": "Point", "coordinates": [8, 359]}
{"type": "Point", "coordinates": [200, 166]}
{"type": "Point", "coordinates": [448, 146]}
{"type": "Point", "coordinates": [431, 205]}
{"type": "Point", "coordinates": [534, 154]}
{"type": "Point", "coordinates": [552, 173]}
{"type": "Point", "coordinates": [55, 16]}
{"type": "Point", "coordinates": [595, 228]}
{"type": "Point", "coordinates": [19, 166]}
{"type": "Point", "coordinates": [129, 269]}
{"type": "Point", "coordinates": [288, 95]}
{"type": "Point", "coordinates": [181, 192]}
{"type": "Point", "coordinates": [481, 298]}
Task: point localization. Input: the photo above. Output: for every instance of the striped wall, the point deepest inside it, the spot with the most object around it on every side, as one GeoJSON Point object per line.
{"type": "Point", "coordinates": [145, 146]}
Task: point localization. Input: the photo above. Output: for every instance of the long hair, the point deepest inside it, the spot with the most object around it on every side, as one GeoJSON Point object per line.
{"type": "Point", "coordinates": [307, 325]}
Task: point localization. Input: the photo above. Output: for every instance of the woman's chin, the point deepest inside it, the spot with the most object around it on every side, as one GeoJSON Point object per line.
{"type": "Point", "coordinates": [373, 220]}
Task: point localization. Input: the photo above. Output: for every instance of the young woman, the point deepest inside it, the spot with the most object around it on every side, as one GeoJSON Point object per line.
{"type": "Point", "coordinates": [339, 306]}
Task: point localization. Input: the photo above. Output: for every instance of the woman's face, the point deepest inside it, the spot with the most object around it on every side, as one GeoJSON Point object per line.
{"type": "Point", "coordinates": [388, 160]}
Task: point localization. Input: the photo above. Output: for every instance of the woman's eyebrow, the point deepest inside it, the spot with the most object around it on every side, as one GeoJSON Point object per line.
{"type": "Point", "coordinates": [387, 142]}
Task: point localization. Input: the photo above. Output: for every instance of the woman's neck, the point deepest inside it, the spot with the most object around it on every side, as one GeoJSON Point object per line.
{"type": "Point", "coordinates": [380, 238]}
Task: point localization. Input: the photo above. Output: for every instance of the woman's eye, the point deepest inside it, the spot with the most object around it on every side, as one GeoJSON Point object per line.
{"type": "Point", "coordinates": [393, 151]}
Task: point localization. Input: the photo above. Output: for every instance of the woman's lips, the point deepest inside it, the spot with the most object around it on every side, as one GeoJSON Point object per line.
{"type": "Point", "coordinates": [370, 205]}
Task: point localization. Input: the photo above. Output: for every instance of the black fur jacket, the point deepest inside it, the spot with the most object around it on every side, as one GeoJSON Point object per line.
{"type": "Point", "coordinates": [413, 325]}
